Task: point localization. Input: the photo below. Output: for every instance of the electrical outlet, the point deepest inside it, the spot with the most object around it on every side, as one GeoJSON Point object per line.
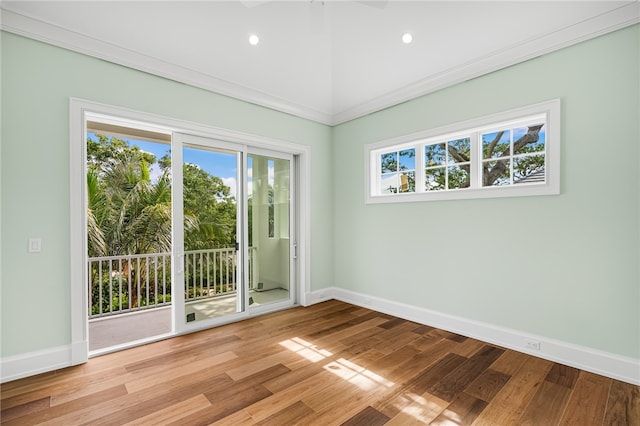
{"type": "Point", "coordinates": [532, 344]}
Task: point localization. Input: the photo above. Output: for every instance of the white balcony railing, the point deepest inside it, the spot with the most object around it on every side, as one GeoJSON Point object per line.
{"type": "Point", "coordinates": [121, 284]}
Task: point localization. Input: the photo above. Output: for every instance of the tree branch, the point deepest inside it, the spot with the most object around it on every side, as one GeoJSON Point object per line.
{"type": "Point", "coordinates": [458, 156]}
{"type": "Point", "coordinates": [494, 142]}
{"type": "Point", "coordinates": [532, 136]}
{"type": "Point", "coordinates": [490, 176]}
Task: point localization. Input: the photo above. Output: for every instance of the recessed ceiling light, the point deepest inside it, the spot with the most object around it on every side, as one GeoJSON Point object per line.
{"type": "Point", "coordinates": [254, 39]}
{"type": "Point", "coordinates": [407, 38]}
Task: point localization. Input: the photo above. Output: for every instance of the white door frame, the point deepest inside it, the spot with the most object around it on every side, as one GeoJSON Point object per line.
{"type": "Point", "coordinates": [78, 109]}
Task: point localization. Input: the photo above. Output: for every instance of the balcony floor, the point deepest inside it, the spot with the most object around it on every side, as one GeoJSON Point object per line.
{"type": "Point", "coordinates": [121, 329]}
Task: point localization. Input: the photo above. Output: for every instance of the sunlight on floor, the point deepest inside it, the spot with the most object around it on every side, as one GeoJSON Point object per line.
{"type": "Point", "coordinates": [359, 376]}
{"type": "Point", "coordinates": [349, 371]}
{"type": "Point", "coordinates": [305, 349]}
{"type": "Point", "coordinates": [420, 408]}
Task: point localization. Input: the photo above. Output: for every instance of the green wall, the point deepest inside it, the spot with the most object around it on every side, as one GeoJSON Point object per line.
{"type": "Point", "coordinates": [563, 267]}
{"type": "Point", "coordinates": [37, 81]}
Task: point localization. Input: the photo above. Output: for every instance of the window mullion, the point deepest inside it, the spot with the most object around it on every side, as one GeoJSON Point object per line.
{"type": "Point", "coordinates": [476, 160]}
{"type": "Point", "coordinates": [420, 164]}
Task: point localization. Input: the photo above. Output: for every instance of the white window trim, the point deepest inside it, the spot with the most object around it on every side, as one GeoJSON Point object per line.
{"type": "Point", "coordinates": [551, 186]}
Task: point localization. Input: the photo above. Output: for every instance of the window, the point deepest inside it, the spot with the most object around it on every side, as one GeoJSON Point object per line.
{"type": "Point", "coordinates": [398, 171]}
{"type": "Point", "coordinates": [515, 153]}
{"type": "Point", "coordinates": [447, 165]}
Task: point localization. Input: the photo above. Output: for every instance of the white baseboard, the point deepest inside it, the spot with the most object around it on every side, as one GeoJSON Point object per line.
{"type": "Point", "coordinates": [596, 361]}
{"type": "Point", "coordinates": [318, 296]}
{"type": "Point", "coordinates": [24, 365]}
{"type": "Point", "coordinates": [600, 362]}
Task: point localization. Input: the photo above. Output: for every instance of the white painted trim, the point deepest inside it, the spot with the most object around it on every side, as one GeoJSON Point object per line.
{"type": "Point", "coordinates": [615, 19]}
{"type": "Point", "coordinates": [303, 215]}
{"type": "Point", "coordinates": [78, 297]}
{"type": "Point", "coordinates": [25, 365]}
{"type": "Point", "coordinates": [319, 296]}
{"type": "Point", "coordinates": [57, 36]}
{"type": "Point", "coordinates": [596, 361]}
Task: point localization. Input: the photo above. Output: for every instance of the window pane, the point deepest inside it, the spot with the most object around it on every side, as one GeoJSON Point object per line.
{"type": "Point", "coordinates": [529, 139]}
{"type": "Point", "coordinates": [435, 179]}
{"type": "Point", "coordinates": [389, 162]}
{"type": "Point", "coordinates": [407, 182]}
{"type": "Point", "coordinates": [496, 173]}
{"type": "Point", "coordinates": [459, 151]}
{"type": "Point", "coordinates": [495, 144]}
{"type": "Point", "coordinates": [434, 155]}
{"type": "Point", "coordinates": [408, 159]}
{"type": "Point", "coordinates": [529, 169]}
{"type": "Point", "coordinates": [389, 184]}
{"type": "Point", "coordinates": [459, 177]}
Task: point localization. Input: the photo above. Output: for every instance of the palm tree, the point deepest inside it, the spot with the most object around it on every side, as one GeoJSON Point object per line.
{"type": "Point", "coordinates": [96, 213]}
{"type": "Point", "coordinates": [129, 214]}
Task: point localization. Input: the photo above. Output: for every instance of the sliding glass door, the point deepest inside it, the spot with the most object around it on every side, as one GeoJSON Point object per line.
{"type": "Point", "coordinates": [212, 271]}
{"type": "Point", "coordinates": [233, 247]}
{"type": "Point", "coordinates": [207, 216]}
{"type": "Point", "coordinates": [269, 189]}
{"type": "Point", "coordinates": [183, 232]}
{"type": "Point", "coordinates": [128, 232]}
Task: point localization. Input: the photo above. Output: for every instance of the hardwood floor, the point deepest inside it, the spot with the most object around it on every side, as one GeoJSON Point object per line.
{"type": "Point", "coordinates": [329, 364]}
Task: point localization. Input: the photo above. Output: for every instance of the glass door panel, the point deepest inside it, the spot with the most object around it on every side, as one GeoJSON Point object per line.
{"type": "Point", "coordinates": [129, 234]}
{"type": "Point", "coordinates": [212, 271]}
{"type": "Point", "coordinates": [269, 224]}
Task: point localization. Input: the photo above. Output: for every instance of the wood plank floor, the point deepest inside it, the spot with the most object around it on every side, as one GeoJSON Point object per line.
{"type": "Point", "coordinates": [328, 364]}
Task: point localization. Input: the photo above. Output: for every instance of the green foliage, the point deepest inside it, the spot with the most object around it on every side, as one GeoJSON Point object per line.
{"type": "Point", "coordinates": [110, 150]}
{"type": "Point", "coordinates": [129, 213]}
{"type": "Point", "coordinates": [389, 162]}
{"type": "Point", "coordinates": [162, 299]}
{"type": "Point", "coordinates": [207, 198]}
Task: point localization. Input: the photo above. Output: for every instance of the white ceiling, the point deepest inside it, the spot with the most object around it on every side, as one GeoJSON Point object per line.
{"type": "Point", "coordinates": [328, 61]}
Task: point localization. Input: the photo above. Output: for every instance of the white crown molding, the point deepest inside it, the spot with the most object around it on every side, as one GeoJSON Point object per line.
{"type": "Point", "coordinates": [616, 19]}
{"type": "Point", "coordinates": [57, 36]}
{"type": "Point", "coordinates": [596, 361]}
